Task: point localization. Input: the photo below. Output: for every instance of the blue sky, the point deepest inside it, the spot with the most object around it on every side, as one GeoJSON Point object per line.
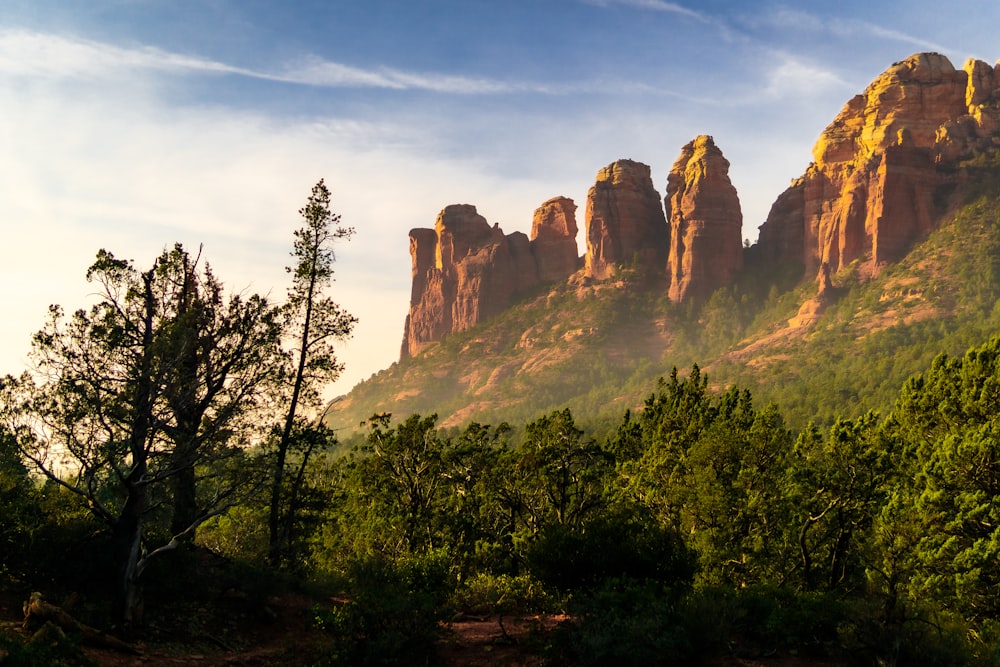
{"type": "Point", "coordinates": [132, 124]}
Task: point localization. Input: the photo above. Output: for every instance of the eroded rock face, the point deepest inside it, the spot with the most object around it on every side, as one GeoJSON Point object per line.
{"type": "Point", "coordinates": [553, 239]}
{"type": "Point", "coordinates": [883, 169]}
{"type": "Point", "coordinates": [464, 271]}
{"type": "Point", "coordinates": [624, 220]}
{"type": "Point", "coordinates": [706, 223]}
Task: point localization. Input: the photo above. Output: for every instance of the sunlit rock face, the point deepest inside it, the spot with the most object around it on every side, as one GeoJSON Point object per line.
{"type": "Point", "coordinates": [706, 223]}
{"type": "Point", "coordinates": [553, 239]}
{"type": "Point", "coordinates": [464, 271]}
{"type": "Point", "coordinates": [624, 221]}
{"type": "Point", "coordinates": [883, 170]}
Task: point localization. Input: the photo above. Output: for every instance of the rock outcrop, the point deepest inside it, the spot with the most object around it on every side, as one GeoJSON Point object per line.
{"type": "Point", "coordinates": [464, 271]}
{"type": "Point", "coordinates": [884, 169]}
{"type": "Point", "coordinates": [884, 174]}
{"type": "Point", "coordinates": [706, 223]}
{"type": "Point", "coordinates": [553, 239]}
{"type": "Point", "coordinates": [624, 221]}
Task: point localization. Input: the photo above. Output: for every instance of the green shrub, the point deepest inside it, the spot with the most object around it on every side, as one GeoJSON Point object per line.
{"type": "Point", "coordinates": [502, 594]}
{"type": "Point", "coordinates": [393, 612]}
{"type": "Point", "coordinates": [621, 544]}
{"type": "Point", "coordinates": [622, 623]}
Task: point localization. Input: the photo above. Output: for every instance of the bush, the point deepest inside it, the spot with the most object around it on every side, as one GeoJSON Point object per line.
{"type": "Point", "coordinates": [502, 594]}
{"type": "Point", "coordinates": [49, 647]}
{"type": "Point", "coordinates": [392, 614]}
{"type": "Point", "coordinates": [623, 622]}
{"type": "Point", "coordinates": [623, 544]}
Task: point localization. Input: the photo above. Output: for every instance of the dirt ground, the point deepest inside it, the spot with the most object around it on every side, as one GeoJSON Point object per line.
{"type": "Point", "coordinates": [287, 637]}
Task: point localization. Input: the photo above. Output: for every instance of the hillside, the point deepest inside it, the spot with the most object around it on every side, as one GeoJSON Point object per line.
{"type": "Point", "coordinates": [881, 255]}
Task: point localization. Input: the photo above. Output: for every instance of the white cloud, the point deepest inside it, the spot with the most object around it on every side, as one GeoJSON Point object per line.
{"type": "Point", "coordinates": [873, 30]}
{"type": "Point", "coordinates": [797, 77]}
{"type": "Point", "coordinates": [798, 21]}
{"type": "Point", "coordinates": [653, 5]}
{"type": "Point", "coordinates": [27, 54]}
{"type": "Point", "coordinates": [113, 164]}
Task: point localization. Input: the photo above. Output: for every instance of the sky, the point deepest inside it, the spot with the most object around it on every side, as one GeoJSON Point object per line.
{"type": "Point", "coordinates": [130, 125]}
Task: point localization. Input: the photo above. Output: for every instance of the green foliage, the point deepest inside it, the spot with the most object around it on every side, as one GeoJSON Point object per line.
{"type": "Point", "coordinates": [49, 647]}
{"type": "Point", "coordinates": [625, 543]}
{"type": "Point", "coordinates": [836, 486]}
{"type": "Point", "coordinates": [240, 534]}
{"type": "Point", "coordinates": [711, 468]}
{"type": "Point", "coordinates": [487, 593]}
{"type": "Point", "coordinates": [950, 419]}
{"type": "Point", "coordinates": [624, 623]}
{"type": "Point", "coordinates": [392, 614]}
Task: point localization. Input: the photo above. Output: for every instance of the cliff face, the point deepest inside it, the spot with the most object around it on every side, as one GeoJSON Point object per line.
{"type": "Point", "coordinates": [553, 239]}
{"type": "Point", "coordinates": [465, 271]}
{"type": "Point", "coordinates": [706, 223]}
{"type": "Point", "coordinates": [624, 220]}
{"type": "Point", "coordinates": [884, 168]}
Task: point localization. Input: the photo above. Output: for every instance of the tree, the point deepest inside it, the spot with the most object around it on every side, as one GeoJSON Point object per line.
{"type": "Point", "coordinates": [313, 322]}
{"type": "Point", "coordinates": [710, 468]}
{"type": "Point", "coordinates": [836, 486]}
{"type": "Point", "coordinates": [139, 402]}
{"type": "Point", "coordinates": [558, 474]}
{"type": "Point", "coordinates": [949, 421]}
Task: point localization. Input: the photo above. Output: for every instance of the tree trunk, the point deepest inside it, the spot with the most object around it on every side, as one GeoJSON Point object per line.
{"type": "Point", "coordinates": [126, 554]}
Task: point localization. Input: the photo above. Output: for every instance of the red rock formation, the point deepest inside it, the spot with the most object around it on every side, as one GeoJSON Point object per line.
{"type": "Point", "coordinates": [624, 220]}
{"type": "Point", "coordinates": [883, 168]}
{"type": "Point", "coordinates": [553, 239]}
{"type": "Point", "coordinates": [464, 272]}
{"type": "Point", "coordinates": [706, 223]}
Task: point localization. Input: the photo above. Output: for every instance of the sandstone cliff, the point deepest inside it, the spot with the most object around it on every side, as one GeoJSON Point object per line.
{"type": "Point", "coordinates": [465, 271]}
{"type": "Point", "coordinates": [553, 239]}
{"type": "Point", "coordinates": [706, 224]}
{"type": "Point", "coordinates": [624, 220]}
{"type": "Point", "coordinates": [885, 168]}
{"type": "Point", "coordinates": [884, 173]}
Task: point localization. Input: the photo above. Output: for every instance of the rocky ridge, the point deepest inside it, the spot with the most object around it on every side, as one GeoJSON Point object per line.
{"type": "Point", "coordinates": [884, 173]}
{"type": "Point", "coordinates": [884, 170]}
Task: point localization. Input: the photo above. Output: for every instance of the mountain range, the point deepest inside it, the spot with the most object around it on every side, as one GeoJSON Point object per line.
{"type": "Point", "coordinates": [882, 254]}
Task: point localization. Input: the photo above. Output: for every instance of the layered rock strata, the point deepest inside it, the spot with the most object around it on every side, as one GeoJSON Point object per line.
{"type": "Point", "coordinates": [706, 223]}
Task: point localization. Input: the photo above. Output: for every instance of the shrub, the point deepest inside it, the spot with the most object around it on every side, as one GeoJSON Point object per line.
{"type": "Point", "coordinates": [393, 612]}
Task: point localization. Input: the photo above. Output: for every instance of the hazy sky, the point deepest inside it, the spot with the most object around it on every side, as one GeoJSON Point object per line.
{"type": "Point", "coordinates": [132, 124]}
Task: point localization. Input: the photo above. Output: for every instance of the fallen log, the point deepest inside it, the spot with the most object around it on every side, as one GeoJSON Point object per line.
{"type": "Point", "coordinates": [37, 612]}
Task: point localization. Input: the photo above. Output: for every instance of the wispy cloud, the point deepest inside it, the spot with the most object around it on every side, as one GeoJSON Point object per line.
{"type": "Point", "coordinates": [786, 18]}
{"type": "Point", "coordinates": [887, 33]}
{"type": "Point", "coordinates": [47, 56]}
{"type": "Point", "coordinates": [652, 5]}
{"type": "Point", "coordinates": [791, 75]}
